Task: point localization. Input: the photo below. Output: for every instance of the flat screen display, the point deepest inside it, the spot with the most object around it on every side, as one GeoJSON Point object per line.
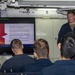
{"type": "Point", "coordinates": [17, 28]}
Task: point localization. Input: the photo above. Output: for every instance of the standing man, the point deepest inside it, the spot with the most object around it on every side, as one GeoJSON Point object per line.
{"type": "Point", "coordinates": [68, 27]}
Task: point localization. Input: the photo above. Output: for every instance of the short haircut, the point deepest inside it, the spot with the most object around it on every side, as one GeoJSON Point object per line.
{"type": "Point", "coordinates": [16, 43]}
{"type": "Point", "coordinates": [68, 46]}
{"type": "Point", "coordinates": [71, 12]}
{"type": "Point", "coordinates": [41, 47]}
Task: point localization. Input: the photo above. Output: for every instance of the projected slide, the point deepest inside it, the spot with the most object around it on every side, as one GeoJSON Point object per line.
{"type": "Point", "coordinates": [22, 31]}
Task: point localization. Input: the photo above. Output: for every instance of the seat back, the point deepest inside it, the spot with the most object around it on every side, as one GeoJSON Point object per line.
{"type": "Point", "coordinates": [14, 74]}
{"type": "Point", "coordinates": [24, 73]}
{"type": "Point", "coordinates": [31, 73]}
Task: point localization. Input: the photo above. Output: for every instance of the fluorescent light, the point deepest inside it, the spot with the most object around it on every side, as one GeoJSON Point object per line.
{"type": "Point", "coordinates": [13, 1]}
{"type": "Point", "coordinates": [46, 9]}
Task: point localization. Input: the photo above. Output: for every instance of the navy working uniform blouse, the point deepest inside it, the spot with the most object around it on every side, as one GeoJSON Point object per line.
{"type": "Point", "coordinates": [64, 30]}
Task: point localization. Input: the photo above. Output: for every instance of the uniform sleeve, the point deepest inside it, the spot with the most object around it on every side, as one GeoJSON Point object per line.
{"type": "Point", "coordinates": [61, 33]}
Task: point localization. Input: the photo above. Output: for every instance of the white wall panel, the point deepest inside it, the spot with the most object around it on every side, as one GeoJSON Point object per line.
{"type": "Point", "coordinates": [57, 23]}
{"type": "Point", "coordinates": [48, 29]}
{"type": "Point", "coordinates": [44, 30]}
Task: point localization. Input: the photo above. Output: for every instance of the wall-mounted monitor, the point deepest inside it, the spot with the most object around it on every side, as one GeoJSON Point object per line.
{"type": "Point", "coordinates": [17, 28]}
